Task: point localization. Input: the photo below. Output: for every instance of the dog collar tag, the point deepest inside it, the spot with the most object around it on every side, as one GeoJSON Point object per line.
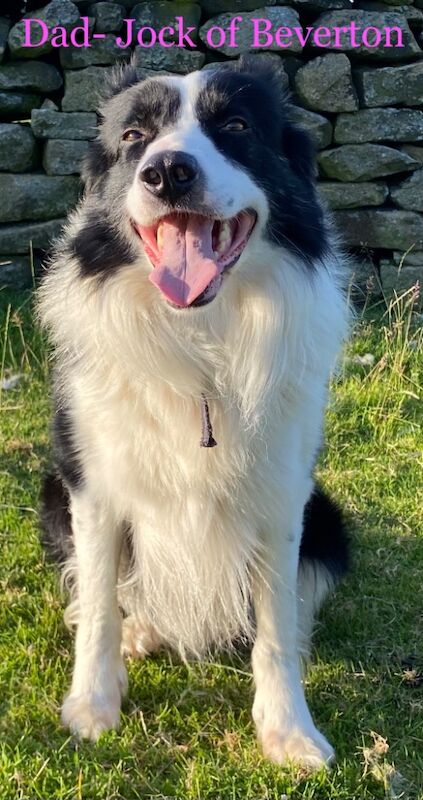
{"type": "Point", "coordinates": [207, 439]}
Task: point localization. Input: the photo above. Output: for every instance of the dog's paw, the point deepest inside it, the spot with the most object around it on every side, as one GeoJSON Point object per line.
{"type": "Point", "coordinates": [88, 715]}
{"type": "Point", "coordinates": [139, 638]}
{"type": "Point", "coordinates": [306, 748]}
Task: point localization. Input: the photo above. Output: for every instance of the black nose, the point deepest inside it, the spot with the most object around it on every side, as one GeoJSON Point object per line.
{"type": "Point", "coordinates": [170, 175]}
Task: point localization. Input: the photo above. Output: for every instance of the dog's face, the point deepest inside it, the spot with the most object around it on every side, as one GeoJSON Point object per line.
{"type": "Point", "coordinates": [193, 172]}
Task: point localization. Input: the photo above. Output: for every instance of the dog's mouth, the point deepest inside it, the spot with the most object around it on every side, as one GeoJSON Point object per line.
{"type": "Point", "coordinates": [190, 253]}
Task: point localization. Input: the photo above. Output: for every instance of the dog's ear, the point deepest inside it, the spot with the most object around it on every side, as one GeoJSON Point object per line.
{"type": "Point", "coordinates": [121, 78]}
{"type": "Point", "coordinates": [266, 68]}
{"type": "Point", "coordinates": [300, 150]}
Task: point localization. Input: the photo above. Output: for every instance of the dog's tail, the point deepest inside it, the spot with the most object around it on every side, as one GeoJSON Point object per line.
{"type": "Point", "coordinates": [324, 559]}
{"type": "Point", "coordinates": [55, 519]}
{"type": "Point", "coordinates": [325, 540]}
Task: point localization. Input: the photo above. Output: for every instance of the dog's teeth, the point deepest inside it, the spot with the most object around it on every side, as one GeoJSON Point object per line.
{"type": "Point", "coordinates": [224, 237]}
{"type": "Point", "coordinates": [160, 237]}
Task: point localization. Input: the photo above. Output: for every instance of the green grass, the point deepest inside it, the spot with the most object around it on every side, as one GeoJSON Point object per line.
{"type": "Point", "coordinates": [186, 730]}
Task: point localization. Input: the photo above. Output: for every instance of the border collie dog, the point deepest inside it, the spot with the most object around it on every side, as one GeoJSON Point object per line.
{"type": "Point", "coordinates": [195, 298]}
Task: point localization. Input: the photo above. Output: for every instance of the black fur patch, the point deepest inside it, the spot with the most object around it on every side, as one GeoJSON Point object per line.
{"type": "Point", "coordinates": [55, 519]}
{"type": "Point", "coordinates": [152, 106]}
{"type": "Point", "coordinates": [65, 452]}
{"type": "Point", "coordinates": [325, 537]}
{"type": "Point", "coordinates": [148, 106]}
{"type": "Point", "coordinates": [99, 248]}
{"type": "Point", "coordinates": [277, 155]}
{"type": "Point", "coordinates": [96, 163]}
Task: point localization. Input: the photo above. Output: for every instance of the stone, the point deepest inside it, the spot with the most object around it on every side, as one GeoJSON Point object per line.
{"type": "Point", "coordinates": [4, 32]}
{"type": "Point", "coordinates": [413, 15]}
{"type": "Point", "coordinates": [413, 151]}
{"type": "Point", "coordinates": [280, 17]}
{"type": "Point", "coordinates": [369, 19]}
{"type": "Point", "coordinates": [50, 104]}
{"type": "Point", "coordinates": [58, 12]}
{"type": "Point", "coordinates": [127, 4]}
{"type": "Point", "coordinates": [380, 228]}
{"type": "Point", "coordinates": [352, 195]}
{"type": "Point", "coordinates": [413, 258]}
{"type": "Point", "coordinates": [142, 74]}
{"type": "Point", "coordinates": [19, 237]}
{"type": "Point", "coordinates": [101, 51]}
{"type": "Point", "coordinates": [325, 84]}
{"type": "Point", "coordinates": [83, 88]}
{"type": "Point", "coordinates": [380, 124]}
{"type": "Point", "coordinates": [364, 280]}
{"type": "Point", "coordinates": [91, 26]}
{"type": "Point", "coordinates": [385, 86]}
{"type": "Point", "coordinates": [64, 157]}
{"type": "Point", "coordinates": [266, 59]}
{"type": "Point", "coordinates": [169, 60]}
{"type": "Point", "coordinates": [291, 66]}
{"type": "Point", "coordinates": [18, 149]}
{"type": "Point", "coordinates": [321, 5]}
{"type": "Point", "coordinates": [158, 14]}
{"type": "Point", "coordinates": [30, 76]}
{"type": "Point", "coordinates": [396, 2]}
{"type": "Point", "coordinates": [401, 280]}
{"type": "Point", "coordinates": [362, 162]}
{"type": "Point", "coordinates": [108, 16]}
{"type": "Point", "coordinates": [14, 105]}
{"type": "Point", "coordinates": [319, 128]}
{"type": "Point", "coordinates": [49, 124]}
{"type": "Point", "coordinates": [409, 193]}
{"type": "Point", "coordinates": [17, 271]}
{"type": "Point", "coordinates": [39, 197]}
{"type": "Point", "coordinates": [235, 6]}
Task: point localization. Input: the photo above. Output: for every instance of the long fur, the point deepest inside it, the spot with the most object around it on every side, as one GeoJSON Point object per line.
{"type": "Point", "coordinates": [135, 372]}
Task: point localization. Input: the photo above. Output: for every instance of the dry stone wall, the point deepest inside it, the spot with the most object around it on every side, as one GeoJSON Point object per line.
{"type": "Point", "coordinates": [363, 107]}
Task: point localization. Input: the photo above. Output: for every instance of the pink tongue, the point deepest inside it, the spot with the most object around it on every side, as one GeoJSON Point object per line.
{"type": "Point", "coordinates": [187, 262]}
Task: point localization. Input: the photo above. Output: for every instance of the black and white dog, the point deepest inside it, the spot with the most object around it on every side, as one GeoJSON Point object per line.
{"type": "Point", "coordinates": [196, 297]}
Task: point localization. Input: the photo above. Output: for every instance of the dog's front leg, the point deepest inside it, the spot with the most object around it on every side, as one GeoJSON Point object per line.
{"type": "Point", "coordinates": [283, 720]}
{"type": "Point", "coordinates": [99, 676]}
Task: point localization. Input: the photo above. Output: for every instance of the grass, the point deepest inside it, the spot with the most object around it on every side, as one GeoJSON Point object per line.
{"type": "Point", "coordinates": [186, 730]}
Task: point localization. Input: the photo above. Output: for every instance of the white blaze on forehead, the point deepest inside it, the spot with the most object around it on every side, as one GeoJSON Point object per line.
{"type": "Point", "coordinates": [229, 189]}
{"type": "Point", "coordinates": [188, 87]}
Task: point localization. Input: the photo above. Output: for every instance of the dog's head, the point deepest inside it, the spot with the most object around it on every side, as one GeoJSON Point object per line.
{"type": "Point", "coordinates": [195, 173]}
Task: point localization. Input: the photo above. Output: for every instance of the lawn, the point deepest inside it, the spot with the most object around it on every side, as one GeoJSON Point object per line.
{"type": "Point", "coordinates": [186, 730]}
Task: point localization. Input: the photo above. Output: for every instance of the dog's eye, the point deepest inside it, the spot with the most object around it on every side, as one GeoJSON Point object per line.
{"type": "Point", "coordinates": [132, 135]}
{"type": "Point", "coordinates": [235, 125]}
